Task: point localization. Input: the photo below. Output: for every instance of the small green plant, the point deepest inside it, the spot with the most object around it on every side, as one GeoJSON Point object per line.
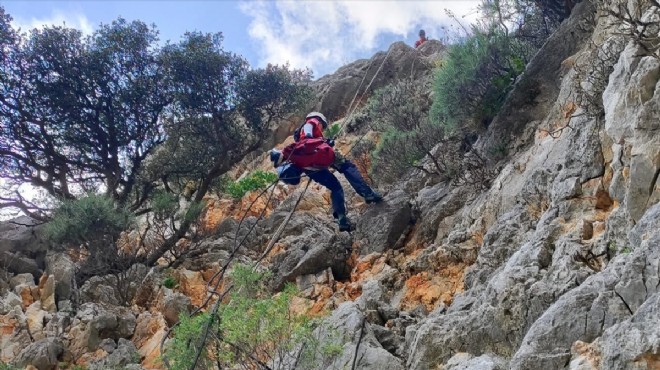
{"type": "Point", "coordinates": [611, 245]}
{"type": "Point", "coordinates": [194, 211]}
{"type": "Point", "coordinates": [164, 204]}
{"type": "Point", "coordinates": [332, 131]}
{"type": "Point", "coordinates": [613, 248]}
{"type": "Point", "coordinates": [4, 366]}
{"type": "Point", "coordinates": [256, 180]}
{"type": "Point", "coordinates": [169, 282]}
{"type": "Point", "coordinates": [251, 330]}
{"type": "Point", "coordinates": [181, 349]}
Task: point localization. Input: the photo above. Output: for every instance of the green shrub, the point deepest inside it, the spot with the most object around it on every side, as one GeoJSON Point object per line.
{"type": "Point", "coordinates": [400, 112]}
{"type": "Point", "coordinates": [194, 211]}
{"type": "Point", "coordinates": [181, 349]}
{"type": "Point", "coordinates": [90, 220]}
{"type": "Point", "coordinates": [169, 282]}
{"type": "Point", "coordinates": [251, 327]}
{"type": "Point", "coordinates": [474, 79]}
{"type": "Point", "coordinates": [332, 131]}
{"type": "Point", "coordinates": [93, 224]}
{"type": "Point", "coordinates": [164, 204]}
{"type": "Point", "coordinates": [256, 180]}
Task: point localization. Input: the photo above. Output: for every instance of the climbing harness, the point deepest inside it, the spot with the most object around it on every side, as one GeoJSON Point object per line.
{"type": "Point", "coordinates": [212, 288]}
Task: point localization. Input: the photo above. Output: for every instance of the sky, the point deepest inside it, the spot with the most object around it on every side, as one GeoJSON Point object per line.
{"type": "Point", "coordinates": [320, 34]}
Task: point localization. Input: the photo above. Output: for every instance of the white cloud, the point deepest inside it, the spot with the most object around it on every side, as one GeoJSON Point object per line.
{"type": "Point", "coordinates": [57, 18]}
{"type": "Point", "coordinates": [324, 35]}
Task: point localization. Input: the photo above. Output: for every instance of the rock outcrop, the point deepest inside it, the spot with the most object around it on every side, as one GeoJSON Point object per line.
{"type": "Point", "coordinates": [556, 265]}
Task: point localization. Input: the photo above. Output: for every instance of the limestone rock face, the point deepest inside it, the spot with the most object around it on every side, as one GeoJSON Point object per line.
{"type": "Point", "coordinates": [348, 322]}
{"type": "Point", "coordinates": [380, 227]}
{"type": "Point", "coordinates": [42, 354]}
{"type": "Point", "coordinates": [312, 246]}
{"type": "Point", "coordinates": [125, 354]}
{"type": "Point", "coordinates": [554, 266]}
{"type": "Point", "coordinates": [94, 322]}
{"type": "Point", "coordinates": [60, 266]}
{"type": "Point", "coordinates": [175, 304]}
{"type": "Point", "coordinates": [22, 246]}
{"type": "Point", "coordinates": [336, 91]}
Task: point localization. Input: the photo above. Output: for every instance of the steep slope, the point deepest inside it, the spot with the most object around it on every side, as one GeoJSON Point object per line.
{"type": "Point", "coordinates": [554, 266]}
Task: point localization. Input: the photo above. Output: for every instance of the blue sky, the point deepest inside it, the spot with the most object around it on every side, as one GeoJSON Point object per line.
{"type": "Point", "coordinates": [319, 34]}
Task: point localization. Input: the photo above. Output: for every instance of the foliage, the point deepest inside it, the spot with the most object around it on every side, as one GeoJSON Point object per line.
{"type": "Point", "coordinates": [145, 124]}
{"type": "Point", "coordinates": [77, 112]}
{"type": "Point", "coordinates": [593, 69]}
{"type": "Point", "coordinates": [474, 80]}
{"type": "Point", "coordinates": [93, 225]}
{"type": "Point", "coordinates": [4, 366]}
{"type": "Point", "coordinates": [169, 282]}
{"type": "Point", "coordinates": [631, 17]}
{"type": "Point", "coordinates": [251, 330]}
{"type": "Point", "coordinates": [186, 334]}
{"type": "Point", "coordinates": [164, 204]}
{"type": "Point", "coordinates": [256, 180]}
{"type": "Point", "coordinates": [400, 112]}
{"type": "Point", "coordinates": [530, 21]}
{"type": "Point", "coordinates": [411, 140]}
{"type": "Point", "coordinates": [88, 220]}
{"type": "Point", "coordinates": [332, 131]}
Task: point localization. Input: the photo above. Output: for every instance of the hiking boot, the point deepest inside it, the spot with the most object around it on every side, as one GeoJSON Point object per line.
{"type": "Point", "coordinates": [344, 223]}
{"type": "Point", "coordinates": [374, 197]}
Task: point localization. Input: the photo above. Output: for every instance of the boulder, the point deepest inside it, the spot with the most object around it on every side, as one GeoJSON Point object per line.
{"type": "Point", "coordinates": [346, 327]}
{"type": "Point", "coordinates": [336, 91]}
{"type": "Point", "coordinates": [310, 246]}
{"type": "Point", "coordinates": [173, 305]}
{"type": "Point", "coordinates": [94, 323]}
{"type": "Point", "coordinates": [634, 343]}
{"type": "Point", "coordinates": [36, 320]}
{"type": "Point", "coordinates": [24, 236]}
{"type": "Point", "coordinates": [125, 354]}
{"type": "Point", "coordinates": [19, 264]}
{"type": "Point", "coordinates": [42, 354]}
{"type": "Point", "coordinates": [62, 268]}
{"type": "Point", "coordinates": [15, 334]}
{"type": "Point", "coordinates": [465, 361]}
{"type": "Point", "coordinates": [47, 293]}
{"type": "Point", "coordinates": [381, 226]}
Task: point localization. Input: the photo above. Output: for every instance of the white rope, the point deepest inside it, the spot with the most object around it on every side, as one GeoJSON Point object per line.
{"type": "Point", "coordinates": [347, 119]}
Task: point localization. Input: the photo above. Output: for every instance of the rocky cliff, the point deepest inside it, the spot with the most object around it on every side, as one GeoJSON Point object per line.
{"type": "Point", "coordinates": [554, 266]}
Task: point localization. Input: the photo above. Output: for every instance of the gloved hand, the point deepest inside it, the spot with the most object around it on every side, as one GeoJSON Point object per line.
{"type": "Point", "coordinates": [275, 157]}
{"type": "Point", "coordinates": [330, 142]}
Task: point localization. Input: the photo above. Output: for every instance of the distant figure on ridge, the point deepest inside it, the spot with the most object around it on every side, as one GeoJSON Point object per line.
{"type": "Point", "coordinates": [313, 154]}
{"type": "Point", "coordinates": [422, 39]}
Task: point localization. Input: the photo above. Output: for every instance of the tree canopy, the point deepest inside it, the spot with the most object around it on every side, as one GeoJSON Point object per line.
{"type": "Point", "coordinates": [120, 115]}
{"type": "Point", "coordinates": [82, 113]}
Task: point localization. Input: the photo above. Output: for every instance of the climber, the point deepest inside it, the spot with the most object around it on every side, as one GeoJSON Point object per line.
{"type": "Point", "coordinates": [422, 38]}
{"type": "Point", "coordinates": [310, 135]}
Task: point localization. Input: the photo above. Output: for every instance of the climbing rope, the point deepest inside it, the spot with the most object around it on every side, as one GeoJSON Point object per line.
{"type": "Point", "coordinates": [350, 113]}
{"type": "Point", "coordinates": [219, 275]}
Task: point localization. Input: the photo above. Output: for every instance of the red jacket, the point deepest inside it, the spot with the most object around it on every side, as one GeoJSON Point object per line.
{"type": "Point", "coordinates": [420, 42]}
{"type": "Point", "coordinates": [317, 129]}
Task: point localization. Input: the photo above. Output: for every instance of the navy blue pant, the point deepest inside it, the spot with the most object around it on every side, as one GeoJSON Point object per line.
{"type": "Point", "coordinates": [327, 179]}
